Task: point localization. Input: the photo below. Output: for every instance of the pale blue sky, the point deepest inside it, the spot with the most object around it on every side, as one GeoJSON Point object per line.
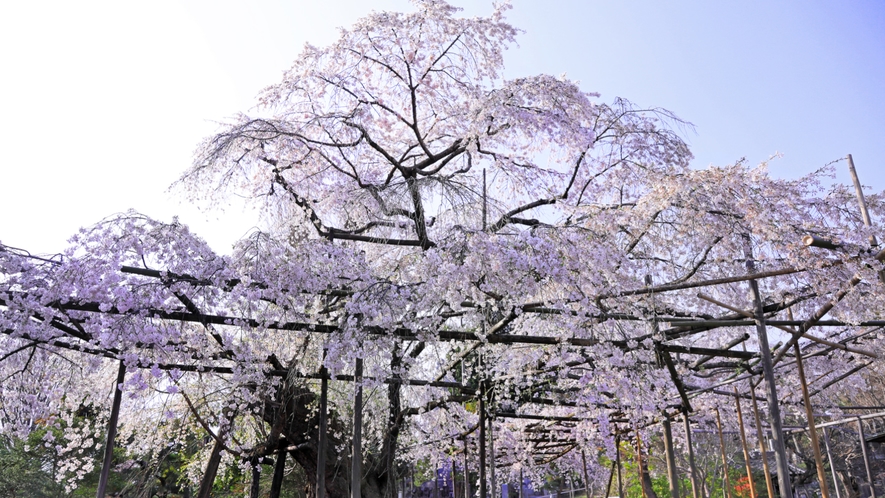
{"type": "Point", "coordinates": [103, 102]}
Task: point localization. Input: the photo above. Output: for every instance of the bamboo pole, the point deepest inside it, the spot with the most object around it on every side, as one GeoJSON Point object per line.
{"type": "Point", "coordinates": [866, 458]}
{"type": "Point", "coordinates": [618, 464]}
{"type": "Point", "coordinates": [356, 457]}
{"type": "Point", "coordinates": [112, 431]}
{"type": "Point", "coordinates": [761, 437]}
{"type": "Point", "coordinates": [586, 476]}
{"type": "Point", "coordinates": [608, 488]}
{"type": "Point", "coordinates": [495, 489]}
{"type": "Point", "coordinates": [725, 480]}
{"type": "Point", "coordinates": [812, 431]}
{"type": "Point", "coordinates": [321, 435]}
{"type": "Point", "coordinates": [672, 475]}
{"type": "Point", "coordinates": [695, 485]}
{"type": "Point", "coordinates": [737, 400]}
{"type": "Point", "coordinates": [483, 486]}
{"type": "Point", "coordinates": [774, 414]}
{"type": "Point", "coordinates": [466, 472]}
{"type": "Point", "coordinates": [832, 465]}
{"type": "Point", "coordinates": [861, 201]}
{"type": "Point", "coordinates": [639, 462]}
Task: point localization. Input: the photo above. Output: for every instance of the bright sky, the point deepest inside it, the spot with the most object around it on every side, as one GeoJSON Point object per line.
{"type": "Point", "coordinates": [102, 103]}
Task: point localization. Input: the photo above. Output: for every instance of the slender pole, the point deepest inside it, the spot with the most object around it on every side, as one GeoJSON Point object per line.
{"type": "Point", "coordinates": [279, 471]}
{"type": "Point", "coordinates": [618, 464]}
{"type": "Point", "coordinates": [695, 486]}
{"type": "Point", "coordinates": [737, 401]}
{"type": "Point", "coordinates": [483, 486]}
{"type": "Point", "coordinates": [112, 432]}
{"type": "Point", "coordinates": [211, 470]}
{"type": "Point", "coordinates": [812, 430]}
{"type": "Point", "coordinates": [761, 437]}
{"type": "Point", "coordinates": [866, 458]}
{"type": "Point", "coordinates": [521, 483]}
{"type": "Point", "coordinates": [321, 437]}
{"type": "Point", "coordinates": [672, 475]}
{"type": "Point", "coordinates": [255, 489]}
{"type": "Point", "coordinates": [586, 477]}
{"type": "Point", "coordinates": [639, 462]}
{"type": "Point", "coordinates": [774, 412]}
{"type": "Point", "coordinates": [608, 488]}
{"type": "Point", "coordinates": [862, 202]}
{"type": "Point", "coordinates": [725, 481]}
{"type": "Point", "coordinates": [356, 458]}
{"type": "Point", "coordinates": [466, 472]}
{"type": "Point", "coordinates": [832, 465]}
{"type": "Point", "coordinates": [495, 489]}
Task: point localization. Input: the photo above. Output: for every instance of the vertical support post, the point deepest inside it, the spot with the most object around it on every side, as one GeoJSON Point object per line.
{"type": "Point", "coordinates": [279, 470]}
{"type": "Point", "coordinates": [866, 458]}
{"type": "Point", "coordinates": [737, 401]}
{"type": "Point", "coordinates": [695, 486]}
{"type": "Point", "coordinates": [618, 464]}
{"type": "Point", "coordinates": [521, 484]}
{"type": "Point", "coordinates": [211, 470]}
{"type": "Point", "coordinates": [586, 477]}
{"type": "Point", "coordinates": [112, 432]}
{"type": "Point", "coordinates": [672, 475]}
{"type": "Point", "coordinates": [774, 411]}
{"type": "Point", "coordinates": [466, 472]}
{"type": "Point", "coordinates": [611, 477]}
{"type": "Point", "coordinates": [255, 489]}
{"type": "Point", "coordinates": [725, 481]}
{"type": "Point", "coordinates": [495, 489]}
{"type": "Point", "coordinates": [761, 437]}
{"type": "Point", "coordinates": [321, 437]}
{"type": "Point", "coordinates": [356, 456]}
{"type": "Point", "coordinates": [832, 465]}
{"type": "Point", "coordinates": [639, 462]}
{"type": "Point", "coordinates": [812, 429]}
{"type": "Point", "coordinates": [483, 486]}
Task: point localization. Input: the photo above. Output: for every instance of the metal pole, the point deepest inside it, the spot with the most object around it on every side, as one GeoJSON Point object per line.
{"type": "Point", "coordinates": [812, 430]}
{"type": "Point", "coordinates": [832, 465]}
{"type": "Point", "coordinates": [740, 415]}
{"type": "Point", "coordinates": [356, 457]}
{"type": "Point", "coordinates": [866, 458]}
{"type": "Point", "coordinates": [761, 437]}
{"type": "Point", "coordinates": [725, 481]}
{"type": "Point", "coordinates": [112, 432]}
{"type": "Point", "coordinates": [774, 412]}
{"type": "Point", "coordinates": [695, 486]}
{"type": "Point", "coordinates": [672, 475]}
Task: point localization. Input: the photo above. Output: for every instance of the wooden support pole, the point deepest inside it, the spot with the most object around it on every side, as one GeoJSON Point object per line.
{"type": "Point", "coordinates": [466, 472]}
{"type": "Point", "coordinates": [356, 455]}
{"type": "Point", "coordinates": [608, 487]}
{"type": "Point", "coordinates": [695, 485]}
{"type": "Point", "coordinates": [211, 470]}
{"type": "Point", "coordinates": [812, 430]}
{"type": "Point", "coordinates": [761, 437]}
{"type": "Point", "coordinates": [774, 412]}
{"type": "Point", "coordinates": [737, 401]}
{"type": "Point", "coordinates": [112, 432]}
{"type": "Point", "coordinates": [586, 476]}
{"type": "Point", "coordinates": [522, 483]}
{"type": "Point", "coordinates": [483, 486]}
{"type": "Point", "coordinates": [672, 475]}
{"type": "Point", "coordinates": [255, 488]}
{"type": "Point", "coordinates": [279, 471]}
{"type": "Point", "coordinates": [618, 465]}
{"type": "Point", "coordinates": [866, 458]}
{"type": "Point", "coordinates": [865, 214]}
{"type": "Point", "coordinates": [832, 464]}
{"type": "Point", "coordinates": [321, 436]}
{"type": "Point", "coordinates": [726, 484]}
{"type": "Point", "coordinates": [639, 463]}
{"type": "Point", "coordinates": [495, 489]}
